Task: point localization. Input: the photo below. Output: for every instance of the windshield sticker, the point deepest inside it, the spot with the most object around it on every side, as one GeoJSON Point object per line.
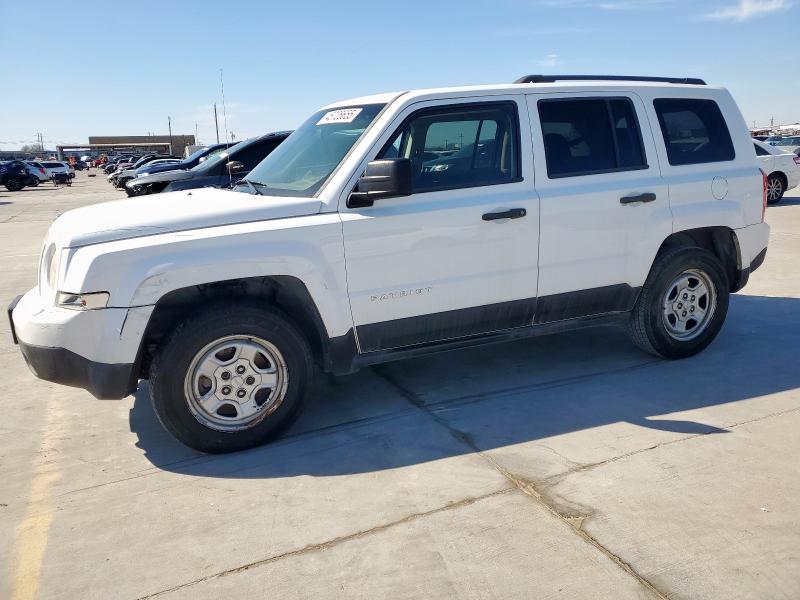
{"type": "Point", "coordinates": [343, 115]}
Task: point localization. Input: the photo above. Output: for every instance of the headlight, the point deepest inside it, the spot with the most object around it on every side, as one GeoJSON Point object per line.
{"type": "Point", "coordinates": [82, 301]}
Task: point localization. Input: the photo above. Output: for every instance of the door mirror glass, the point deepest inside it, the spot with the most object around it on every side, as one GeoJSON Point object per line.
{"type": "Point", "coordinates": [385, 178]}
{"type": "Point", "coordinates": [235, 166]}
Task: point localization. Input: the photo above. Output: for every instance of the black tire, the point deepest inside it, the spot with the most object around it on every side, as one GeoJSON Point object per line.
{"type": "Point", "coordinates": [14, 184]}
{"type": "Point", "coordinates": [34, 182]}
{"type": "Point", "coordinates": [190, 338]}
{"type": "Point", "coordinates": [648, 325]}
{"type": "Point", "coordinates": [778, 189]}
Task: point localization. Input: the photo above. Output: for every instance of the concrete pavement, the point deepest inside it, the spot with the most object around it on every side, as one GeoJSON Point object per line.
{"type": "Point", "coordinates": [569, 466]}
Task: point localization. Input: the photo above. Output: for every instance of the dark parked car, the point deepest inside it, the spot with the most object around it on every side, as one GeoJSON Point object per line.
{"type": "Point", "coordinates": [220, 170]}
{"type": "Point", "coordinates": [191, 161]}
{"type": "Point", "coordinates": [14, 175]}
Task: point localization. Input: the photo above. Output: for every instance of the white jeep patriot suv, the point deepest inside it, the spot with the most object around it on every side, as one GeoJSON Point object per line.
{"type": "Point", "coordinates": [400, 224]}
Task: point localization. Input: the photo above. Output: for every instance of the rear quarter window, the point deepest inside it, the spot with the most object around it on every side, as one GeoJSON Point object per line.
{"type": "Point", "coordinates": [694, 131]}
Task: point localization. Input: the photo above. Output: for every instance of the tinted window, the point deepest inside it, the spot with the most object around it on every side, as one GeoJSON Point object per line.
{"type": "Point", "coordinates": [254, 153]}
{"type": "Point", "coordinates": [694, 131]}
{"type": "Point", "coordinates": [590, 135]}
{"type": "Point", "coordinates": [459, 146]}
{"type": "Point", "coordinates": [760, 151]}
{"type": "Point", "coordinates": [53, 165]}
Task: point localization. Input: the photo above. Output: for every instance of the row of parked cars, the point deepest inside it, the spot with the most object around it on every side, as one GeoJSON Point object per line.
{"type": "Point", "coordinates": [217, 165]}
{"type": "Point", "coordinates": [16, 175]}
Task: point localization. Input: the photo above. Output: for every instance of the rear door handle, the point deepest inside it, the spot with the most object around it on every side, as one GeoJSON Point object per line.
{"type": "Point", "coordinates": [648, 197]}
{"type": "Point", "coordinates": [514, 213]}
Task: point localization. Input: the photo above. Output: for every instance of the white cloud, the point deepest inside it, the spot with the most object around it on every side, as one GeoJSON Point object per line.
{"type": "Point", "coordinates": [549, 61]}
{"type": "Point", "coordinates": [749, 9]}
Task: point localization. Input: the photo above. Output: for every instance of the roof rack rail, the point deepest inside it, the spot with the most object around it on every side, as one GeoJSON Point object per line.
{"type": "Point", "coordinates": [555, 78]}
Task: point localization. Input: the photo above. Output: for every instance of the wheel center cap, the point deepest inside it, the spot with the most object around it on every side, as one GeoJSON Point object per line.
{"type": "Point", "coordinates": [237, 382]}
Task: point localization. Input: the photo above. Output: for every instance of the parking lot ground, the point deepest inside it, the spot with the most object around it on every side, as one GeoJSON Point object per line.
{"type": "Point", "coordinates": [570, 466]}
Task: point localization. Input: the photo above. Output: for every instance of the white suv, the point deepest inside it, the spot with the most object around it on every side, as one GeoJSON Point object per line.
{"type": "Point", "coordinates": [400, 224]}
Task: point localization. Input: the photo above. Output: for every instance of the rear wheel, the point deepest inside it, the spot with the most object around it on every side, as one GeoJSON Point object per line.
{"type": "Point", "coordinates": [775, 189]}
{"type": "Point", "coordinates": [682, 305]}
{"type": "Point", "coordinates": [230, 378]}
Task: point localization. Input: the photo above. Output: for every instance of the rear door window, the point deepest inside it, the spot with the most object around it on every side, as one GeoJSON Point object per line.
{"type": "Point", "coordinates": [585, 136]}
{"type": "Point", "coordinates": [694, 131]}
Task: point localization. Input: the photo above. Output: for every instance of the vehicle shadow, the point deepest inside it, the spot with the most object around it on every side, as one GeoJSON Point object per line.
{"type": "Point", "coordinates": [785, 201]}
{"type": "Point", "coordinates": [509, 401]}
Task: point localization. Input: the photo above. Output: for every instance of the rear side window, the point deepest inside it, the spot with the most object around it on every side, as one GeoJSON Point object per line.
{"type": "Point", "coordinates": [585, 136]}
{"type": "Point", "coordinates": [53, 165]}
{"type": "Point", "coordinates": [694, 131]}
{"type": "Point", "coordinates": [760, 151]}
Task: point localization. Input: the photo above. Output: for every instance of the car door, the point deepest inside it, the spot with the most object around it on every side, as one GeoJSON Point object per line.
{"type": "Point", "coordinates": [604, 205]}
{"type": "Point", "coordinates": [458, 257]}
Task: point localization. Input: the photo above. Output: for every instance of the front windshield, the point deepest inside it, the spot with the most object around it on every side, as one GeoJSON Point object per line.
{"type": "Point", "coordinates": [305, 160]}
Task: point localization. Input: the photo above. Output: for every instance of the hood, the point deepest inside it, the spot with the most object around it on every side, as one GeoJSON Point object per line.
{"type": "Point", "coordinates": [181, 166]}
{"type": "Point", "coordinates": [174, 175]}
{"type": "Point", "coordinates": [167, 213]}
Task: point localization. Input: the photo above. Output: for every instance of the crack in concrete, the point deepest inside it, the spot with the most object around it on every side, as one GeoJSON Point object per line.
{"type": "Point", "coordinates": [333, 542]}
{"type": "Point", "coordinates": [591, 466]}
{"type": "Point", "coordinates": [574, 520]}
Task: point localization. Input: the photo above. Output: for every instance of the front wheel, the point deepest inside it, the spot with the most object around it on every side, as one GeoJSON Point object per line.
{"type": "Point", "coordinates": [14, 184]}
{"type": "Point", "coordinates": [231, 378]}
{"type": "Point", "coordinates": [682, 305]}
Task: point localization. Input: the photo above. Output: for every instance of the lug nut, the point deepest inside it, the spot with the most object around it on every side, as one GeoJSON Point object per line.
{"type": "Point", "coordinates": [241, 394]}
{"type": "Point", "coordinates": [680, 304]}
{"type": "Point", "coordinates": [684, 313]}
{"type": "Point", "coordinates": [685, 296]}
{"type": "Point", "coordinates": [692, 298]}
{"type": "Point", "coordinates": [250, 380]}
{"type": "Point", "coordinates": [240, 369]}
{"type": "Point", "coordinates": [226, 375]}
{"type": "Point", "coordinates": [226, 390]}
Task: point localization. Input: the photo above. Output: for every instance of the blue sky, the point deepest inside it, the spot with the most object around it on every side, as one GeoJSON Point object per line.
{"type": "Point", "coordinates": [121, 68]}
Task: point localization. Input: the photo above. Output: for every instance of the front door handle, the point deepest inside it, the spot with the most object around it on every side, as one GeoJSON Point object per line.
{"type": "Point", "coordinates": [514, 213]}
{"type": "Point", "coordinates": [648, 197]}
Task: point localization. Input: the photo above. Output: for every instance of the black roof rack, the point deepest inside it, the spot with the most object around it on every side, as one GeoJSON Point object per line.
{"type": "Point", "coordinates": [554, 78]}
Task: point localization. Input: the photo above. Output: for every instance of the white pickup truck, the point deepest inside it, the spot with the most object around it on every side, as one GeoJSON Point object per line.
{"type": "Point", "coordinates": [399, 224]}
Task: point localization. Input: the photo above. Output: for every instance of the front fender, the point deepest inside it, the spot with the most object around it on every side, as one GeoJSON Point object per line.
{"type": "Point", "coordinates": [140, 271]}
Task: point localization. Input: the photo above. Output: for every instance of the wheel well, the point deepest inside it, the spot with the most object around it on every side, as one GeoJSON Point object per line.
{"type": "Point", "coordinates": [288, 294]}
{"type": "Point", "coordinates": [719, 240]}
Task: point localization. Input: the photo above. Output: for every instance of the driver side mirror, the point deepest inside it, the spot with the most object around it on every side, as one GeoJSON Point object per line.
{"type": "Point", "coordinates": [235, 166]}
{"type": "Point", "coordinates": [386, 178]}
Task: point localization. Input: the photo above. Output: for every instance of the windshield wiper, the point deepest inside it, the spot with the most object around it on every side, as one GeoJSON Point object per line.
{"type": "Point", "coordinates": [249, 183]}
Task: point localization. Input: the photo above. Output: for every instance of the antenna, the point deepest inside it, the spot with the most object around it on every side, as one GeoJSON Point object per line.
{"type": "Point", "coordinates": [224, 109]}
{"type": "Point", "coordinates": [216, 121]}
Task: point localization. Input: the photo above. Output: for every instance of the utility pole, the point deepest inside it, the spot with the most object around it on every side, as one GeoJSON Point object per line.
{"type": "Point", "coordinates": [216, 123]}
{"type": "Point", "coordinates": [196, 137]}
{"type": "Point", "coordinates": [169, 125]}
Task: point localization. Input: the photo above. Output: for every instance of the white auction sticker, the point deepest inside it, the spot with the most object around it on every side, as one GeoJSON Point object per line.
{"type": "Point", "coordinates": [343, 115]}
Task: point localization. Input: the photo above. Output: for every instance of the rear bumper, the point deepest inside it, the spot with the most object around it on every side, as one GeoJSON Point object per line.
{"type": "Point", "coordinates": [753, 242]}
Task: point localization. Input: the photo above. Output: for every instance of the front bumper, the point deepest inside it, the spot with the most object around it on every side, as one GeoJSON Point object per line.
{"type": "Point", "coordinates": [94, 349]}
{"type": "Point", "coordinates": [59, 365]}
